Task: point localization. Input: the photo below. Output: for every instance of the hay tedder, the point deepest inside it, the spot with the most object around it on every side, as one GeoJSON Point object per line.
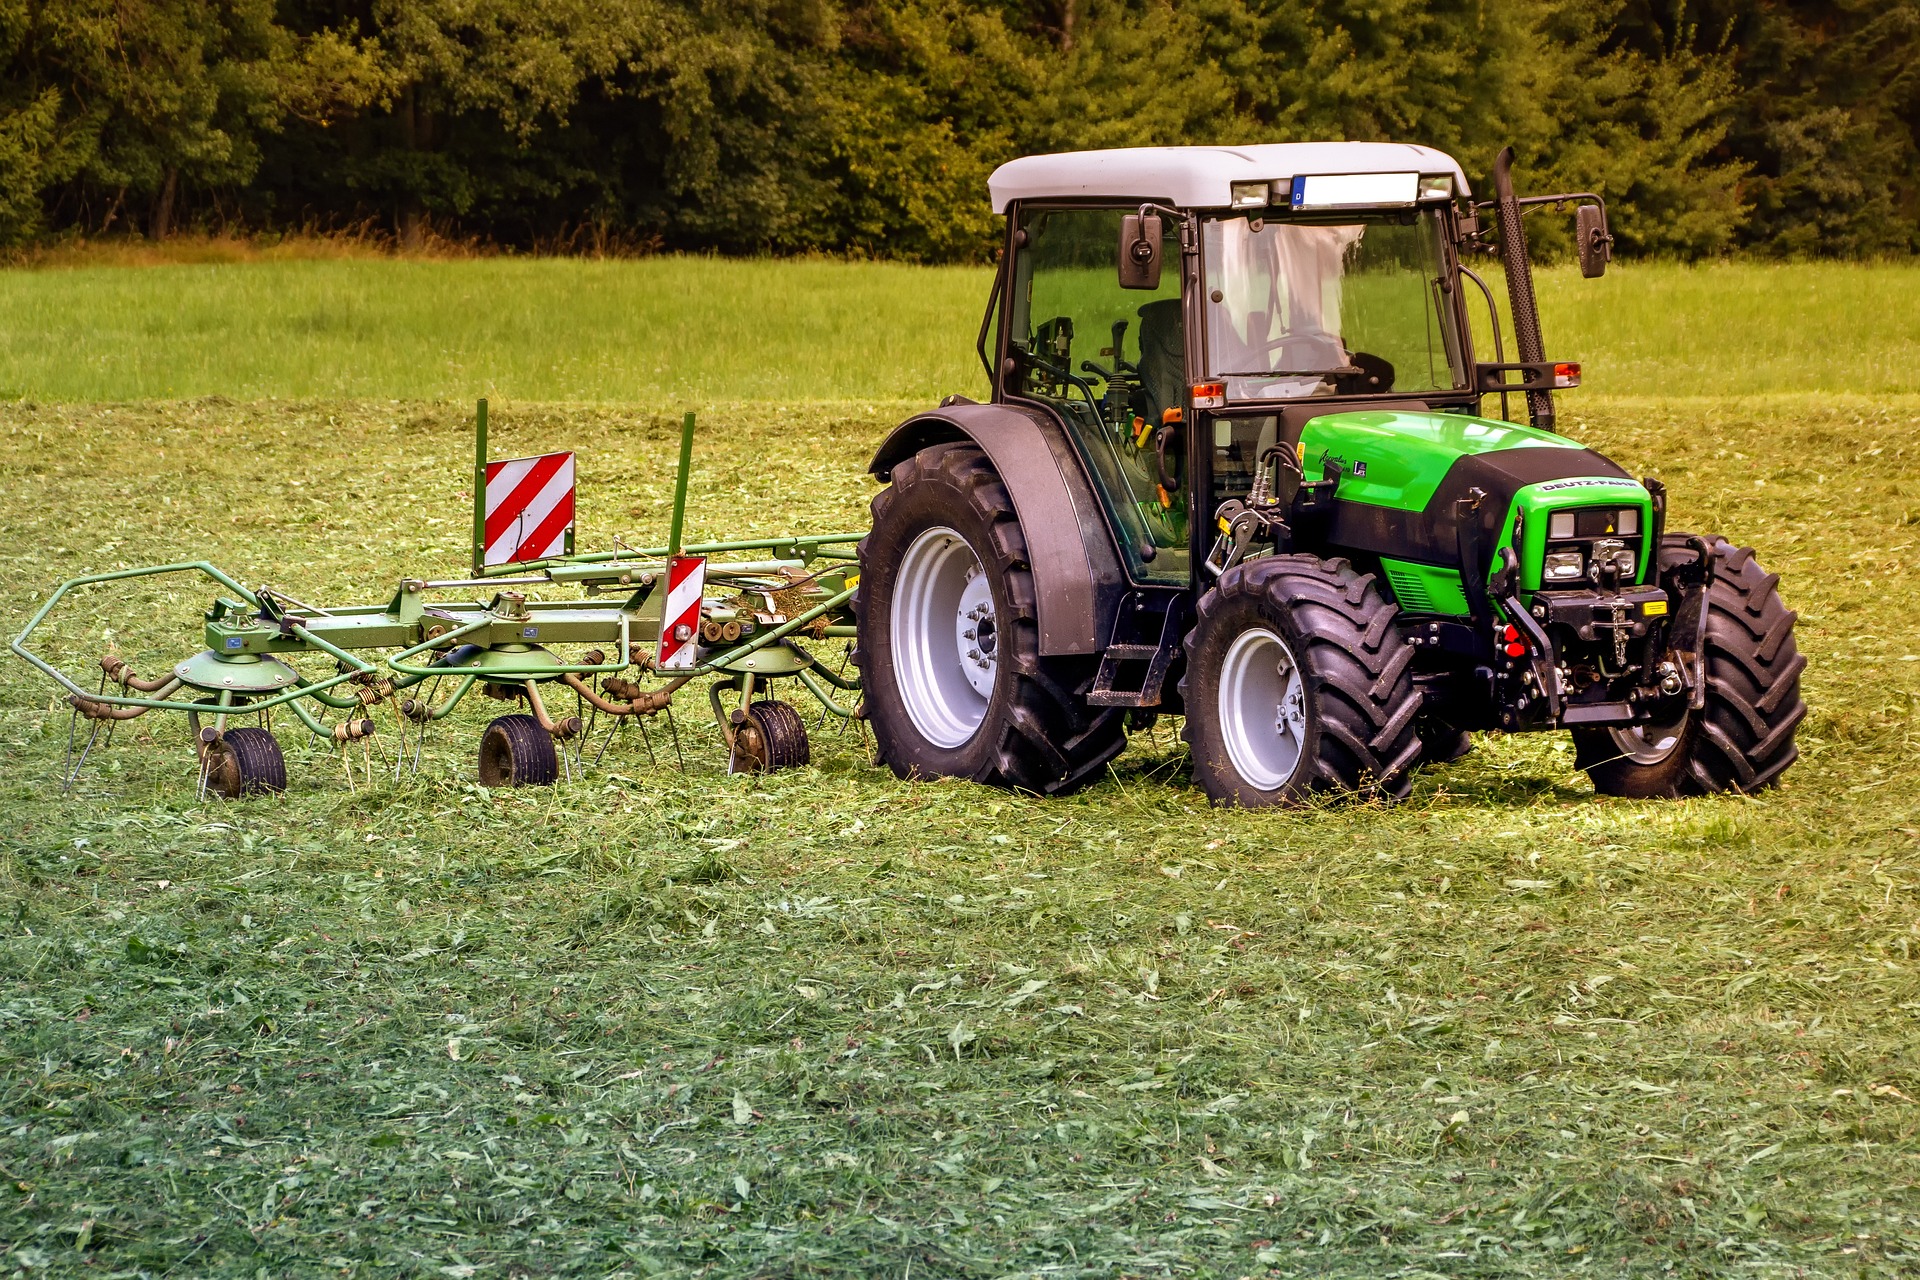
{"type": "Point", "coordinates": [639, 625]}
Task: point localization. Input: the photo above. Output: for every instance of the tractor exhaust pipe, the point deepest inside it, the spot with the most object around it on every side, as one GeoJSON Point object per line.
{"type": "Point", "coordinates": [1526, 310]}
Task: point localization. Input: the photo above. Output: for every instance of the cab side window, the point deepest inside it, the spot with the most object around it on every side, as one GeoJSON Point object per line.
{"type": "Point", "coordinates": [1113, 362]}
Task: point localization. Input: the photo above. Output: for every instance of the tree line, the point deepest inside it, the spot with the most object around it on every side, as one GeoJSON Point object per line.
{"type": "Point", "coordinates": [869, 126]}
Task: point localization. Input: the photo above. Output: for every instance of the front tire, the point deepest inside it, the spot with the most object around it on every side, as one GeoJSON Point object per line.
{"type": "Point", "coordinates": [949, 638]}
{"type": "Point", "coordinates": [1298, 683]}
{"type": "Point", "coordinates": [1743, 739]}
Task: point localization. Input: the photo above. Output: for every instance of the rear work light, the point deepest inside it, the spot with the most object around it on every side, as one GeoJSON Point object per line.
{"type": "Point", "coordinates": [1209, 395]}
{"type": "Point", "coordinates": [1565, 376]}
{"type": "Point", "coordinates": [1250, 195]}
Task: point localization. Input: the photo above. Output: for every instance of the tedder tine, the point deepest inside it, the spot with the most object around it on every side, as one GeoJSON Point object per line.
{"type": "Point", "coordinates": [674, 726]}
{"type": "Point", "coordinates": [82, 762]}
{"type": "Point", "coordinates": [73, 725]}
{"type": "Point", "coordinates": [613, 727]}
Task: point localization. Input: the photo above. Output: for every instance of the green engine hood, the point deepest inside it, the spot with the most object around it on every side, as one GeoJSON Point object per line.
{"type": "Point", "coordinates": [1395, 458]}
{"type": "Point", "coordinates": [1403, 475]}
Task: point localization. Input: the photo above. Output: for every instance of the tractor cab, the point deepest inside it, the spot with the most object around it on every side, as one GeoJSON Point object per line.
{"type": "Point", "coordinates": [1254, 288]}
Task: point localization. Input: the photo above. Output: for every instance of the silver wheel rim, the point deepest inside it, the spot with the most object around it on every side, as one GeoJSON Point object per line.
{"type": "Point", "coordinates": [1263, 714]}
{"type": "Point", "coordinates": [1652, 742]}
{"type": "Point", "coordinates": [945, 641]}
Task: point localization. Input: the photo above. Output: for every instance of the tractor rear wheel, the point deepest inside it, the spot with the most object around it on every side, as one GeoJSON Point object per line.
{"type": "Point", "coordinates": [949, 647]}
{"type": "Point", "coordinates": [516, 752]}
{"type": "Point", "coordinates": [1743, 739]}
{"type": "Point", "coordinates": [1299, 683]}
{"type": "Point", "coordinates": [244, 762]}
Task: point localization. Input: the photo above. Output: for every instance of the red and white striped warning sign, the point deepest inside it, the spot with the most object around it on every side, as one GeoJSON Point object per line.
{"type": "Point", "coordinates": [680, 619]}
{"type": "Point", "coordinates": [529, 507]}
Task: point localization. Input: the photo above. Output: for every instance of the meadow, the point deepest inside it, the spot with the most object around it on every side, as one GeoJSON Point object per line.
{"type": "Point", "coordinates": [825, 1023]}
{"type": "Point", "coordinates": [669, 330]}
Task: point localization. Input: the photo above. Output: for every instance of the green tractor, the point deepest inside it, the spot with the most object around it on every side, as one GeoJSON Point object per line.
{"type": "Point", "coordinates": [1235, 467]}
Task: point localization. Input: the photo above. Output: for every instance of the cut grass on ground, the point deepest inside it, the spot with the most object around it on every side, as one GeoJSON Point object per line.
{"type": "Point", "coordinates": [828, 1023]}
{"type": "Point", "coordinates": [698, 330]}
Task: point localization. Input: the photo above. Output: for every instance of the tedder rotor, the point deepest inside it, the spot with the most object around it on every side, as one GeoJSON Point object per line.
{"type": "Point", "coordinates": [640, 625]}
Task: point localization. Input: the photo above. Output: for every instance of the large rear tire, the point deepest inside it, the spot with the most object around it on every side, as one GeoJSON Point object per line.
{"type": "Point", "coordinates": [1743, 739]}
{"type": "Point", "coordinates": [949, 643]}
{"type": "Point", "coordinates": [1297, 683]}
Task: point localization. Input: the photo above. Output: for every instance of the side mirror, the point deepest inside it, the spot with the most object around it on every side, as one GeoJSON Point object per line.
{"type": "Point", "coordinates": [1591, 240]}
{"type": "Point", "coordinates": [1139, 261]}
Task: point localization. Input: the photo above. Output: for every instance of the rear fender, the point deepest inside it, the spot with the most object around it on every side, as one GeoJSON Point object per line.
{"type": "Point", "coordinates": [1076, 568]}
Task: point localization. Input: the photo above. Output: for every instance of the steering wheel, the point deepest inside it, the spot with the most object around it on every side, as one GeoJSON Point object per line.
{"type": "Point", "coordinates": [1312, 348]}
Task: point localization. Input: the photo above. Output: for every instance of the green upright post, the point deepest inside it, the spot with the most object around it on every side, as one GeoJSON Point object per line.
{"type": "Point", "coordinates": [680, 486]}
{"type": "Point", "coordinates": [480, 488]}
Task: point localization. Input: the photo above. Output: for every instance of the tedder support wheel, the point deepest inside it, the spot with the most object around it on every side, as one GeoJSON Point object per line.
{"type": "Point", "coordinates": [1743, 739]}
{"type": "Point", "coordinates": [1298, 682]}
{"type": "Point", "coordinates": [244, 762]}
{"type": "Point", "coordinates": [516, 752]}
{"type": "Point", "coordinates": [949, 646]}
{"type": "Point", "coordinates": [770, 736]}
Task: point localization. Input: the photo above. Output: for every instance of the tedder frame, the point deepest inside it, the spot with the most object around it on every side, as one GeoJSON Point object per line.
{"type": "Point", "coordinates": [429, 646]}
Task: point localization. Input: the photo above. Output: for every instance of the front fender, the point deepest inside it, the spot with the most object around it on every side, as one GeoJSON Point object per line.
{"type": "Point", "coordinates": [1076, 567]}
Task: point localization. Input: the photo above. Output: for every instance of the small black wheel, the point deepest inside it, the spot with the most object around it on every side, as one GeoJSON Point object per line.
{"type": "Point", "coordinates": [1299, 683]}
{"type": "Point", "coordinates": [1743, 739]}
{"type": "Point", "coordinates": [244, 762]}
{"type": "Point", "coordinates": [516, 752]}
{"type": "Point", "coordinates": [770, 736]}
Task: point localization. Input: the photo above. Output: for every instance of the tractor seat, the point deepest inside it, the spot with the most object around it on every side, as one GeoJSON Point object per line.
{"type": "Point", "coordinates": [1163, 358]}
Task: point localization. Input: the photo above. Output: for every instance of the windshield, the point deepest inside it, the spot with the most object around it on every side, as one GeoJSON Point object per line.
{"type": "Point", "coordinates": [1319, 308]}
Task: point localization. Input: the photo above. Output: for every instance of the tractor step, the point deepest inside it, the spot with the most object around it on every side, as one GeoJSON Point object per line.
{"type": "Point", "coordinates": [1597, 713]}
{"type": "Point", "coordinates": [1130, 675]}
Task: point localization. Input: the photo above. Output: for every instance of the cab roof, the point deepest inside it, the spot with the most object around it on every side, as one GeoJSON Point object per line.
{"type": "Point", "coordinates": [1202, 177]}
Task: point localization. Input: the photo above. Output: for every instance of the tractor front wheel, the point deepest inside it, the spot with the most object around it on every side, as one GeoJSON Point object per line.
{"type": "Point", "coordinates": [1742, 740]}
{"type": "Point", "coordinates": [949, 650]}
{"type": "Point", "coordinates": [1299, 683]}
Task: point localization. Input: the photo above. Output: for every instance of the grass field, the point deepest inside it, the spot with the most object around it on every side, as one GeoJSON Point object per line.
{"type": "Point", "coordinates": [827, 1023]}
{"type": "Point", "coordinates": [704, 330]}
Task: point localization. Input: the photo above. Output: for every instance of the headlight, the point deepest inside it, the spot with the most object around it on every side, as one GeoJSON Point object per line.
{"type": "Point", "coordinates": [1566, 566]}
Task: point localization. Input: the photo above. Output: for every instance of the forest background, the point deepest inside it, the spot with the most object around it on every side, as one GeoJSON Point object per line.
{"type": "Point", "coordinates": [868, 127]}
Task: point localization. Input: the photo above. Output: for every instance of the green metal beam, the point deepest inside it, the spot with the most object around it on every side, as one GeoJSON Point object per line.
{"type": "Point", "coordinates": [480, 487]}
{"type": "Point", "coordinates": [680, 486]}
